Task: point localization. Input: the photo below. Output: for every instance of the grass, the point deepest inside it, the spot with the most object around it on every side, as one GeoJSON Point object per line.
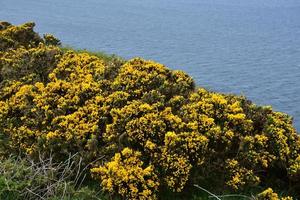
{"type": "Point", "coordinates": [107, 58]}
{"type": "Point", "coordinates": [26, 179]}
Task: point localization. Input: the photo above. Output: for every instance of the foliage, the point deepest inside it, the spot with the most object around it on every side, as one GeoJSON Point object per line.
{"type": "Point", "coordinates": [155, 132]}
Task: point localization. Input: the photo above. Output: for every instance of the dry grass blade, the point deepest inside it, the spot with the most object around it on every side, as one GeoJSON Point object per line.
{"type": "Point", "coordinates": [234, 195]}
{"type": "Point", "coordinates": [201, 188]}
{"type": "Point", "coordinates": [35, 193]}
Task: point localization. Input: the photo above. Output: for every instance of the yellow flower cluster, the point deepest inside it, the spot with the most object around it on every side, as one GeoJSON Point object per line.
{"type": "Point", "coordinates": [294, 169]}
{"type": "Point", "coordinates": [16, 36]}
{"type": "Point", "coordinates": [239, 176]}
{"type": "Point", "coordinates": [256, 138]}
{"type": "Point", "coordinates": [64, 112]}
{"type": "Point", "coordinates": [156, 130]}
{"type": "Point", "coordinates": [180, 153]}
{"type": "Point", "coordinates": [28, 65]}
{"type": "Point", "coordinates": [269, 194]}
{"type": "Point", "coordinates": [126, 174]}
{"type": "Point", "coordinates": [139, 78]}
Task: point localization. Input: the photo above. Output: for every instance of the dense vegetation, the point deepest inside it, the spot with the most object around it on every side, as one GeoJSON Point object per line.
{"type": "Point", "coordinates": [136, 128]}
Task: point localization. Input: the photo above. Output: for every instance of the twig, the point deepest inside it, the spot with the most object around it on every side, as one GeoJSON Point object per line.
{"type": "Point", "coordinates": [65, 189]}
{"type": "Point", "coordinates": [201, 188]}
{"type": "Point", "coordinates": [35, 193]}
{"type": "Point", "coordinates": [82, 181]}
{"type": "Point", "coordinates": [233, 195]}
{"type": "Point", "coordinates": [83, 170]}
{"type": "Point", "coordinates": [78, 171]}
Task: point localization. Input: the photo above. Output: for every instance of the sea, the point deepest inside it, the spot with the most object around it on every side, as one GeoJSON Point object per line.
{"type": "Point", "coordinates": [243, 47]}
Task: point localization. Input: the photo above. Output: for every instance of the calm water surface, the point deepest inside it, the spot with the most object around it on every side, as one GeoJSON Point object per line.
{"type": "Point", "coordinates": [233, 46]}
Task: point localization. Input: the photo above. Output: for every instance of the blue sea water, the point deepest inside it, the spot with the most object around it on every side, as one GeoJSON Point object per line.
{"type": "Point", "coordinates": [244, 47]}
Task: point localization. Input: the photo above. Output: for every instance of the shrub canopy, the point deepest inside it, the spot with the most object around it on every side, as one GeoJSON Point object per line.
{"type": "Point", "coordinates": [156, 131]}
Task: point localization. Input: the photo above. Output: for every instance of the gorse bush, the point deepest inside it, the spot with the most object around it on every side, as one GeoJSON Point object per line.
{"type": "Point", "coordinates": [155, 131]}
